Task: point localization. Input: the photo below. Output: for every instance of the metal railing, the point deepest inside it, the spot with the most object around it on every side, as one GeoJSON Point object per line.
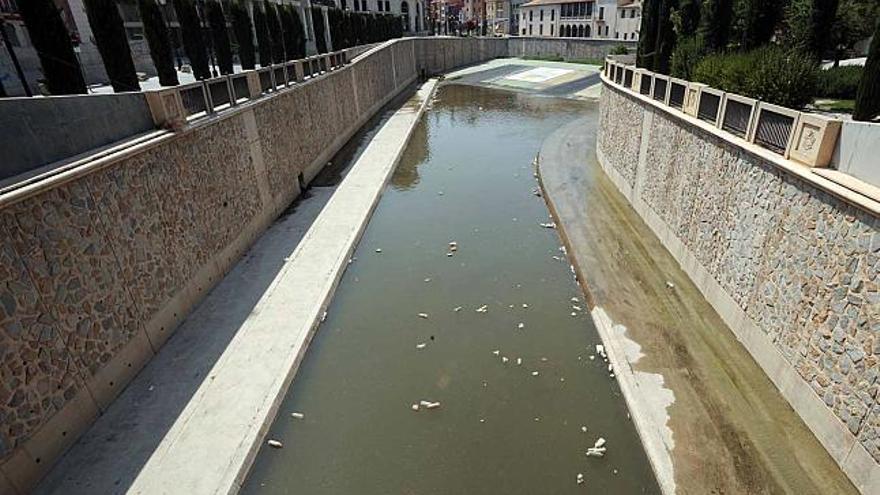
{"type": "Point", "coordinates": [676, 95]}
{"type": "Point", "coordinates": [737, 116]}
{"type": "Point", "coordinates": [707, 110]}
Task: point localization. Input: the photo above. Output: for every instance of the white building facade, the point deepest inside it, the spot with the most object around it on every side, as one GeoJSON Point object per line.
{"type": "Point", "coordinates": [604, 19]}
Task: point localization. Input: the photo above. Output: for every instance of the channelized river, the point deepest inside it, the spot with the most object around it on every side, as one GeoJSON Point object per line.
{"type": "Point", "coordinates": [404, 327]}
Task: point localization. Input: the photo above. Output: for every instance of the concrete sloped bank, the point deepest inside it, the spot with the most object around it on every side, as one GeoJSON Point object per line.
{"type": "Point", "coordinates": [789, 261]}
{"type": "Point", "coordinates": [710, 419]}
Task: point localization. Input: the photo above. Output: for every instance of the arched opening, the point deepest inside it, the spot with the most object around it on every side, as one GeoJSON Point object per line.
{"type": "Point", "coordinates": [587, 31]}
{"type": "Point", "coordinates": [567, 31]}
{"type": "Point", "coordinates": [418, 17]}
{"type": "Point", "coordinates": [580, 31]}
{"type": "Point", "coordinates": [404, 11]}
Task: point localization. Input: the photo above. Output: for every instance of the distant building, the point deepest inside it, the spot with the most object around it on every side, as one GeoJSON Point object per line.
{"type": "Point", "coordinates": [609, 19]}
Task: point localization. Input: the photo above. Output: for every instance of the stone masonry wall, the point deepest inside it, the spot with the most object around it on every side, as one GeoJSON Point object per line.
{"type": "Point", "coordinates": [801, 265]}
{"type": "Point", "coordinates": [96, 271]}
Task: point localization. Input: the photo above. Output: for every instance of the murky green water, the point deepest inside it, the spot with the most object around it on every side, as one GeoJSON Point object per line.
{"type": "Point", "coordinates": [465, 177]}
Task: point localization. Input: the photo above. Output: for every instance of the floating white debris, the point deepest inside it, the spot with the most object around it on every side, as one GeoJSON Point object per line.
{"type": "Point", "coordinates": [535, 373]}
{"type": "Point", "coordinates": [432, 405]}
{"type": "Point", "coordinates": [423, 315]}
{"type": "Point", "coordinates": [573, 313]}
{"type": "Point", "coordinates": [482, 420]}
{"type": "Point", "coordinates": [611, 375]}
{"type": "Point", "coordinates": [421, 346]}
{"type": "Point", "coordinates": [583, 428]}
{"type": "Point", "coordinates": [596, 452]}
{"type": "Point", "coordinates": [510, 306]}
{"type": "Point", "coordinates": [415, 407]}
{"type": "Point", "coordinates": [504, 359]}
{"type": "Point", "coordinates": [580, 478]}
{"type": "Point", "coordinates": [518, 361]}
{"type": "Point", "coordinates": [378, 250]}
{"type": "Point", "coordinates": [548, 225]}
{"type": "Point", "coordinates": [449, 254]}
{"type": "Point", "coordinates": [298, 415]}
{"type": "Point", "coordinates": [610, 368]}
{"type": "Point", "coordinates": [576, 308]}
{"type": "Point", "coordinates": [323, 316]}
{"type": "Point", "coordinates": [614, 471]}
{"type": "Point", "coordinates": [600, 349]}
{"type": "Point", "coordinates": [428, 279]}
{"type": "Point", "coordinates": [557, 258]}
{"type": "Point", "coordinates": [496, 352]}
{"type": "Point", "coordinates": [592, 357]}
{"type": "Point", "coordinates": [571, 268]}
{"type": "Point", "coordinates": [453, 244]}
{"type": "Point", "coordinates": [275, 444]}
{"type": "Point", "coordinates": [600, 442]}
{"type": "Point", "coordinates": [457, 309]}
{"type": "Point", "coordinates": [439, 193]}
{"type": "Point", "coordinates": [574, 300]}
{"type": "Point", "coordinates": [521, 326]}
{"type": "Point", "coordinates": [537, 419]}
{"type": "Point", "coordinates": [562, 249]}
{"type": "Point", "coordinates": [482, 309]}
{"type": "Point", "coordinates": [525, 305]}
{"type": "Point", "coordinates": [669, 285]}
{"type": "Point", "coordinates": [561, 379]}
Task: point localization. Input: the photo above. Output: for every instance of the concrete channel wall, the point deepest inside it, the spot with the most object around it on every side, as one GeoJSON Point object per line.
{"type": "Point", "coordinates": [100, 263]}
{"type": "Point", "coordinates": [788, 260]}
{"type": "Point", "coordinates": [569, 49]}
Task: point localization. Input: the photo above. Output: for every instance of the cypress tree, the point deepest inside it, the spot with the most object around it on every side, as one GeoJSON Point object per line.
{"type": "Point", "coordinates": [868, 97]}
{"type": "Point", "coordinates": [112, 44]}
{"type": "Point", "coordinates": [157, 38]}
{"type": "Point", "coordinates": [821, 21]}
{"type": "Point", "coordinates": [688, 14]}
{"type": "Point", "coordinates": [318, 25]}
{"type": "Point", "coordinates": [715, 22]}
{"type": "Point", "coordinates": [758, 20]}
{"type": "Point", "coordinates": [294, 38]}
{"type": "Point", "coordinates": [220, 36]}
{"type": "Point", "coordinates": [275, 37]}
{"type": "Point", "coordinates": [264, 46]}
{"type": "Point", "coordinates": [193, 43]}
{"type": "Point", "coordinates": [648, 34]}
{"type": "Point", "coordinates": [52, 42]}
{"type": "Point", "coordinates": [244, 35]}
{"type": "Point", "coordinates": [665, 43]}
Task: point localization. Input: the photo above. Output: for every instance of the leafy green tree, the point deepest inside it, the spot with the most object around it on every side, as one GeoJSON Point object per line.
{"type": "Point", "coordinates": [244, 34]}
{"type": "Point", "coordinates": [275, 36]}
{"type": "Point", "coordinates": [261, 27]}
{"type": "Point", "coordinates": [193, 42]}
{"type": "Point", "coordinates": [809, 26]}
{"type": "Point", "coordinates": [112, 44]}
{"type": "Point", "coordinates": [54, 48]}
{"type": "Point", "coordinates": [868, 98]}
{"type": "Point", "coordinates": [648, 34]}
{"type": "Point", "coordinates": [715, 19]}
{"type": "Point", "coordinates": [687, 54]}
{"type": "Point", "coordinates": [220, 36]}
{"type": "Point", "coordinates": [157, 38]}
{"type": "Point", "coordinates": [854, 22]}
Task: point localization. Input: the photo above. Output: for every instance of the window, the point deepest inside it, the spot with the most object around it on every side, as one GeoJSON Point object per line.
{"type": "Point", "coordinates": [601, 13]}
{"type": "Point", "coordinates": [616, 35]}
{"type": "Point", "coordinates": [624, 36]}
{"type": "Point", "coordinates": [531, 16]}
{"type": "Point", "coordinates": [541, 15]}
{"type": "Point", "coordinates": [379, 5]}
{"type": "Point", "coordinates": [530, 29]}
{"type": "Point", "coordinates": [387, 5]}
{"type": "Point", "coordinates": [622, 14]}
{"type": "Point", "coordinates": [632, 14]}
{"type": "Point", "coordinates": [540, 29]}
{"type": "Point", "coordinates": [552, 18]}
{"type": "Point", "coordinates": [551, 29]}
{"type": "Point", "coordinates": [524, 30]}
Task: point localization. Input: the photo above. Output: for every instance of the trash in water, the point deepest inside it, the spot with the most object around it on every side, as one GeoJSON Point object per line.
{"type": "Point", "coordinates": [482, 309]}
{"type": "Point", "coordinates": [600, 442]}
{"type": "Point", "coordinates": [574, 300]}
{"type": "Point", "coordinates": [298, 415]}
{"type": "Point", "coordinates": [275, 443]}
{"type": "Point", "coordinates": [534, 373]}
{"type": "Point", "coordinates": [421, 346]}
{"type": "Point", "coordinates": [596, 452]}
{"type": "Point", "coordinates": [423, 315]}
{"type": "Point", "coordinates": [583, 428]}
{"type": "Point", "coordinates": [580, 478]}
{"type": "Point", "coordinates": [504, 359]}
{"type": "Point", "coordinates": [457, 309]}
{"type": "Point", "coordinates": [573, 313]}
{"type": "Point", "coordinates": [496, 352]}
{"type": "Point", "coordinates": [525, 305]}
{"type": "Point", "coordinates": [669, 285]}
{"type": "Point", "coordinates": [576, 308]}
{"type": "Point", "coordinates": [415, 407]}
{"type": "Point", "coordinates": [378, 250]}
{"type": "Point", "coordinates": [521, 326]}
{"type": "Point", "coordinates": [548, 225]}
{"type": "Point", "coordinates": [428, 279]}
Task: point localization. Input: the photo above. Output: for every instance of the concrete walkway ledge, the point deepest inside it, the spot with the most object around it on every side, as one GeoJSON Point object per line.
{"type": "Point", "coordinates": [213, 442]}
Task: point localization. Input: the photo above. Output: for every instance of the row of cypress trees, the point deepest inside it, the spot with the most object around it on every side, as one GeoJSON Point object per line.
{"type": "Point", "coordinates": [278, 28]}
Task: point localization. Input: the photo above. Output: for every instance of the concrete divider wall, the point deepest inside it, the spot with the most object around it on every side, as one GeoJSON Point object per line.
{"type": "Point", "coordinates": [99, 264]}
{"type": "Point", "coordinates": [568, 48]}
{"type": "Point", "coordinates": [791, 268]}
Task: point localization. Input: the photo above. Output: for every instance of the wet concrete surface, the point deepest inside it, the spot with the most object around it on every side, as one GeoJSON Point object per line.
{"type": "Point", "coordinates": [501, 427]}
{"type": "Point", "coordinates": [733, 431]}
